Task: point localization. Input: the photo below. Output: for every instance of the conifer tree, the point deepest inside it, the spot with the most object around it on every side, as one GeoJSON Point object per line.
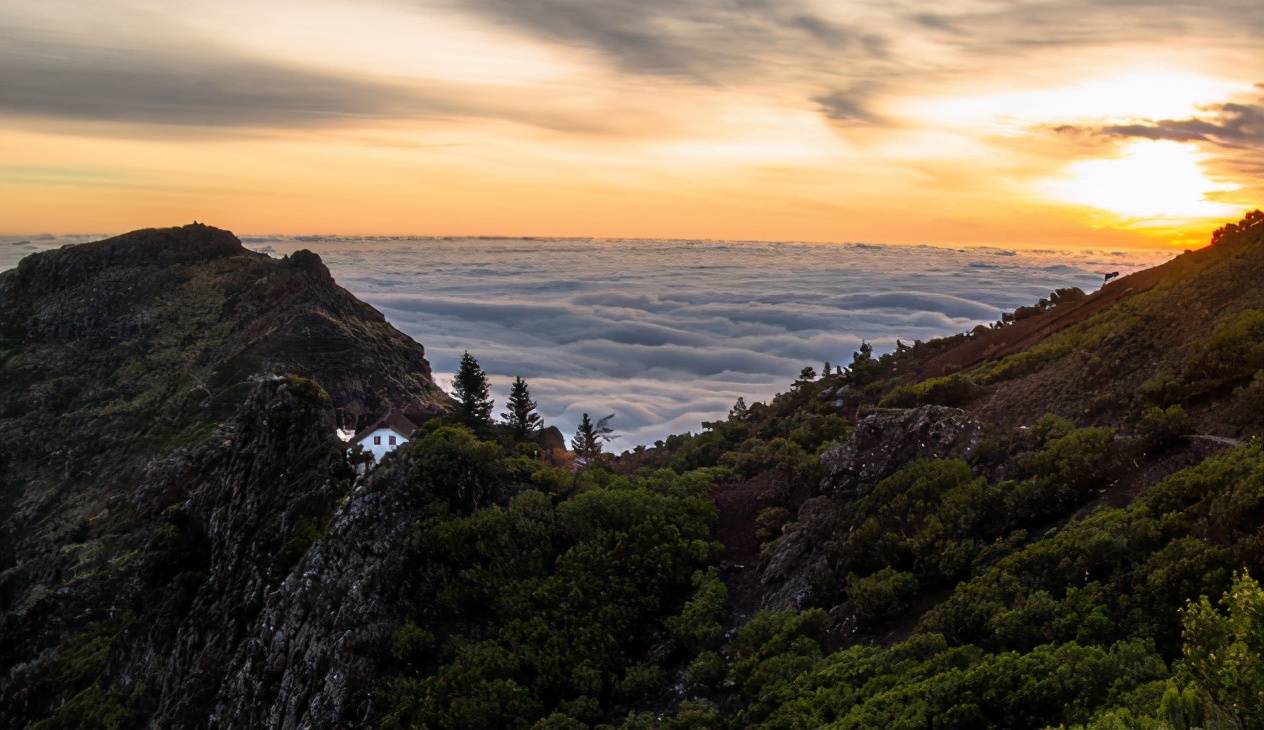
{"type": "Point", "coordinates": [473, 393]}
{"type": "Point", "coordinates": [586, 443]}
{"type": "Point", "coordinates": [521, 416]}
{"type": "Point", "coordinates": [739, 409]}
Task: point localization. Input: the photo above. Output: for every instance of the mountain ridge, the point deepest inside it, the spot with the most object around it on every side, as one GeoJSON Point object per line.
{"type": "Point", "coordinates": [922, 540]}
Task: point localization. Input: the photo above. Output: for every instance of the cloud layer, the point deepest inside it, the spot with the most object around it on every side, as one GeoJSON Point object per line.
{"type": "Point", "coordinates": [667, 334]}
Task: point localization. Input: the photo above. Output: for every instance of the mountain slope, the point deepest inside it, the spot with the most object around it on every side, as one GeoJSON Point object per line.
{"type": "Point", "coordinates": [1106, 356]}
{"type": "Point", "coordinates": [119, 361]}
{"type": "Point", "coordinates": [993, 530]}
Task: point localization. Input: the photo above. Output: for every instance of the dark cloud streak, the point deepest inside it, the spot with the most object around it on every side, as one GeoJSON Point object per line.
{"type": "Point", "coordinates": [1234, 125]}
{"type": "Point", "coordinates": [707, 41]}
{"type": "Point", "coordinates": [197, 86]}
{"type": "Point", "coordinates": [200, 85]}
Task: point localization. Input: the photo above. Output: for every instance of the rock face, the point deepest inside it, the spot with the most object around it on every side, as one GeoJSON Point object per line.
{"type": "Point", "coordinates": [257, 494]}
{"type": "Point", "coordinates": [161, 488]}
{"type": "Point", "coordinates": [797, 574]}
{"type": "Point", "coordinates": [313, 657]}
{"type": "Point", "coordinates": [887, 439]}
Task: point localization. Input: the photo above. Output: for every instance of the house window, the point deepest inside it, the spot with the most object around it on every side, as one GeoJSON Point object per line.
{"type": "Point", "coordinates": [377, 440]}
{"type": "Point", "coordinates": [392, 440]}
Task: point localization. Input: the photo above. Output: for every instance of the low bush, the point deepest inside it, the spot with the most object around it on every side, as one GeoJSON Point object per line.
{"type": "Point", "coordinates": [1162, 427]}
{"type": "Point", "coordinates": [949, 390]}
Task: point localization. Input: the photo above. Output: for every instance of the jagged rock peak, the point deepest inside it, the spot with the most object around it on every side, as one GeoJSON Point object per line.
{"type": "Point", "coordinates": [194, 243]}
{"type": "Point", "coordinates": [309, 262]}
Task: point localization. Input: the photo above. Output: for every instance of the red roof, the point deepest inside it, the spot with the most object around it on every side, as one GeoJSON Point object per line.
{"type": "Point", "coordinates": [394, 419]}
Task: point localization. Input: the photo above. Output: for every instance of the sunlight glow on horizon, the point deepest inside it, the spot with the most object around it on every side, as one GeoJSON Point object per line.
{"type": "Point", "coordinates": [796, 121]}
{"type": "Point", "coordinates": [1154, 181]}
{"type": "Point", "coordinates": [1153, 93]}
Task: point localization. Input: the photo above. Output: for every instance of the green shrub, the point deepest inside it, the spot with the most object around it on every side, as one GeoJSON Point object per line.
{"type": "Point", "coordinates": [701, 621]}
{"type": "Point", "coordinates": [705, 671]}
{"type": "Point", "coordinates": [640, 681]}
{"type": "Point", "coordinates": [881, 595]}
{"type": "Point", "coordinates": [1225, 654]}
{"type": "Point", "coordinates": [454, 465]}
{"type": "Point", "coordinates": [769, 523]}
{"type": "Point", "coordinates": [542, 608]}
{"type": "Point", "coordinates": [1231, 355]}
{"type": "Point", "coordinates": [1161, 427]}
{"type": "Point", "coordinates": [949, 390]}
{"type": "Point", "coordinates": [305, 534]}
{"type": "Point", "coordinates": [1162, 390]}
{"type": "Point", "coordinates": [410, 643]}
{"type": "Point", "coordinates": [1247, 405]}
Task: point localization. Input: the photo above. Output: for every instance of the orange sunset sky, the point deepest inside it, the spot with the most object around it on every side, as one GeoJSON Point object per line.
{"type": "Point", "coordinates": [1117, 123]}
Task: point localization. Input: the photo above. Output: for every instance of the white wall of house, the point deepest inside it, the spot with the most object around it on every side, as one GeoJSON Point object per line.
{"type": "Point", "coordinates": [379, 443]}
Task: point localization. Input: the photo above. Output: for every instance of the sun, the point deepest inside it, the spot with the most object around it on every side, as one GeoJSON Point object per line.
{"type": "Point", "coordinates": [1152, 182]}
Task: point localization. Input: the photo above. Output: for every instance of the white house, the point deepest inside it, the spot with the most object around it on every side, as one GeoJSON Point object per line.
{"type": "Point", "coordinates": [385, 434]}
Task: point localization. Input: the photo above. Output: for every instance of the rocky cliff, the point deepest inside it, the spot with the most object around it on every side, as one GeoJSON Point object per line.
{"type": "Point", "coordinates": [168, 401]}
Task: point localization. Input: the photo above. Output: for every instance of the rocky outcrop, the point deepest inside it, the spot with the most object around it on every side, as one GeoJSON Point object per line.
{"type": "Point", "coordinates": [887, 439]}
{"type": "Point", "coordinates": [797, 573]}
{"type": "Point", "coordinates": [148, 531]}
{"type": "Point", "coordinates": [259, 493]}
{"type": "Point", "coordinates": [313, 657]}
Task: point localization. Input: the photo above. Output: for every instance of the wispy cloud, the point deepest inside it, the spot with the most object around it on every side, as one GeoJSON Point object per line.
{"type": "Point", "coordinates": [903, 121]}
{"type": "Point", "coordinates": [195, 84]}
{"type": "Point", "coordinates": [708, 41]}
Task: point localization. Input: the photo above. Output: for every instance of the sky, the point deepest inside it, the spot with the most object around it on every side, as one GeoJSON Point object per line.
{"type": "Point", "coordinates": [1015, 123]}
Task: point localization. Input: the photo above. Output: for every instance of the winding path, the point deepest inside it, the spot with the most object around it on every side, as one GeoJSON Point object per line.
{"type": "Point", "coordinates": [1225, 440]}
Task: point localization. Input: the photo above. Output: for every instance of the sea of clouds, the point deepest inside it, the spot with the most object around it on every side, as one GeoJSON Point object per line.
{"type": "Point", "coordinates": [667, 334]}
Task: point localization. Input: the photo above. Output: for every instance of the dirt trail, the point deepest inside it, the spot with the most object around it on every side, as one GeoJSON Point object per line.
{"type": "Point", "coordinates": [1224, 440]}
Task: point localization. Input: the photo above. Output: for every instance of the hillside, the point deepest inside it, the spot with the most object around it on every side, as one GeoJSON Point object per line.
{"type": "Point", "coordinates": [120, 354]}
{"type": "Point", "coordinates": [1103, 357]}
{"type": "Point", "coordinates": [1000, 529]}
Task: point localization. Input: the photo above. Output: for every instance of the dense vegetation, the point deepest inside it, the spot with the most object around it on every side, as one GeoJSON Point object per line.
{"type": "Point", "coordinates": [585, 598]}
{"type": "Point", "coordinates": [1084, 556]}
{"type": "Point", "coordinates": [1062, 575]}
{"type": "Point", "coordinates": [570, 598]}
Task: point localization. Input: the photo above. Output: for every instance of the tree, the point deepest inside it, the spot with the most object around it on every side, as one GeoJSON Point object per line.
{"type": "Point", "coordinates": [471, 389]}
{"type": "Point", "coordinates": [864, 367]}
{"type": "Point", "coordinates": [586, 444]}
{"type": "Point", "coordinates": [1225, 653]}
{"type": "Point", "coordinates": [739, 410]}
{"type": "Point", "coordinates": [807, 373]}
{"type": "Point", "coordinates": [1163, 427]}
{"type": "Point", "coordinates": [521, 416]}
{"type": "Point", "coordinates": [589, 438]}
{"type": "Point", "coordinates": [825, 371]}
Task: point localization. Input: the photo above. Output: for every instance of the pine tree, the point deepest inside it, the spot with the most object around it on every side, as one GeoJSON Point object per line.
{"type": "Point", "coordinates": [521, 416]}
{"type": "Point", "coordinates": [471, 389]}
{"type": "Point", "coordinates": [586, 443]}
{"type": "Point", "coordinates": [739, 410]}
{"type": "Point", "coordinates": [825, 371]}
{"type": "Point", "coordinates": [807, 373]}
